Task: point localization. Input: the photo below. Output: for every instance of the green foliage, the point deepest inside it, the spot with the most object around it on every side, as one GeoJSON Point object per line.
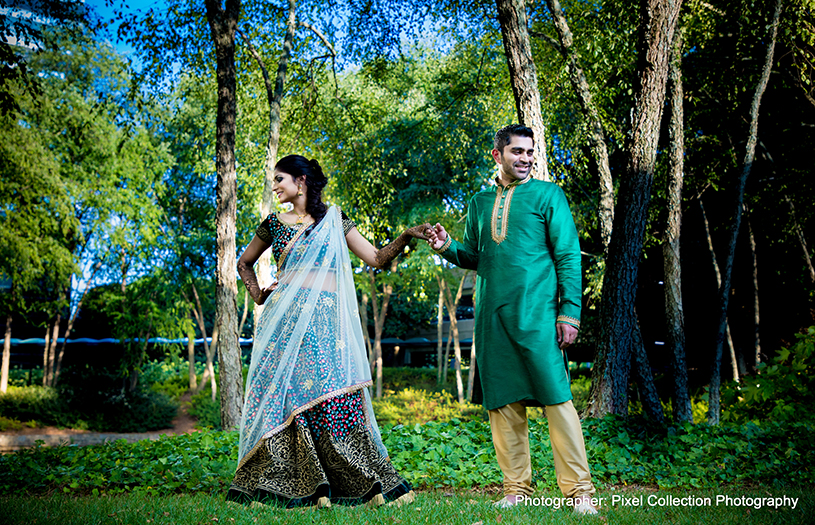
{"type": "Point", "coordinates": [411, 406]}
{"type": "Point", "coordinates": [456, 453]}
{"type": "Point", "coordinates": [205, 410]}
{"type": "Point", "coordinates": [89, 401]}
{"type": "Point", "coordinates": [201, 461]}
{"type": "Point", "coordinates": [781, 391]}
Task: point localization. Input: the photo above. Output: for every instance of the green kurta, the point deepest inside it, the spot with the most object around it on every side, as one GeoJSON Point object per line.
{"type": "Point", "coordinates": [523, 243]}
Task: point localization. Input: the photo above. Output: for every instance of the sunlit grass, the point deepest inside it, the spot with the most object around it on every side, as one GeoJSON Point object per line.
{"type": "Point", "coordinates": [460, 508]}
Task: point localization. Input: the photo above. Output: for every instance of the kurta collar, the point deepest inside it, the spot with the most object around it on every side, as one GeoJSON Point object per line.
{"type": "Point", "coordinates": [512, 184]}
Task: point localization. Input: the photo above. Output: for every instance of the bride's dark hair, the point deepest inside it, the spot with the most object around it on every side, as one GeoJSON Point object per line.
{"type": "Point", "coordinates": [315, 180]}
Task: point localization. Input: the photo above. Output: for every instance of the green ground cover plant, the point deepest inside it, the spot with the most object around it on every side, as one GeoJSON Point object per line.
{"type": "Point", "coordinates": [454, 454]}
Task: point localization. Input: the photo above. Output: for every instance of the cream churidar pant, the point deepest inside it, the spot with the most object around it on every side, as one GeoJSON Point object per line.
{"type": "Point", "coordinates": [510, 435]}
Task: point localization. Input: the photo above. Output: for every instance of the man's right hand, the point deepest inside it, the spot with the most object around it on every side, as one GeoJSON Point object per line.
{"type": "Point", "coordinates": [436, 236]}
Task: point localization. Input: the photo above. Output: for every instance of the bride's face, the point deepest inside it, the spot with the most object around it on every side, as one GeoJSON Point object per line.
{"type": "Point", "coordinates": [285, 187]}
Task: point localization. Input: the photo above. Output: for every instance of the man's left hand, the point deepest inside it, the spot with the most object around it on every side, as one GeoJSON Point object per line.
{"type": "Point", "coordinates": [566, 334]}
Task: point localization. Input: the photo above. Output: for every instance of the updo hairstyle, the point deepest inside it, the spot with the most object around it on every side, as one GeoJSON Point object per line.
{"type": "Point", "coordinates": [314, 180]}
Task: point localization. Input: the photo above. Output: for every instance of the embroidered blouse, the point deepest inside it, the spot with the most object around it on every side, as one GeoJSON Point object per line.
{"type": "Point", "coordinates": [279, 233]}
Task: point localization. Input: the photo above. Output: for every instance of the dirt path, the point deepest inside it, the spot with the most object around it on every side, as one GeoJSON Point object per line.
{"type": "Point", "coordinates": [12, 440]}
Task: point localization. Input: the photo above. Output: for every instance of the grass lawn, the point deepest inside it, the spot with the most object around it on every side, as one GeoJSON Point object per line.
{"type": "Point", "coordinates": [459, 508]}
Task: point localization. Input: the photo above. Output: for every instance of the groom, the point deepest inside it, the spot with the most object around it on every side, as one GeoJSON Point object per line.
{"type": "Point", "coordinates": [521, 239]}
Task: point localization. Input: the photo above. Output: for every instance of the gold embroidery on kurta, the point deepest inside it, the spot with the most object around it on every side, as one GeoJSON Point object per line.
{"type": "Point", "coordinates": [500, 209]}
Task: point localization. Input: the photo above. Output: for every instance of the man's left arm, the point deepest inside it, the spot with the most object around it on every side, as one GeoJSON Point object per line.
{"type": "Point", "coordinates": [565, 246]}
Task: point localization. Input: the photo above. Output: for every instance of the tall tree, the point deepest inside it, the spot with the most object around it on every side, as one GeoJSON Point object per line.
{"type": "Point", "coordinates": [591, 114]}
{"type": "Point", "coordinates": [223, 20]}
{"type": "Point", "coordinates": [523, 76]}
{"type": "Point", "coordinates": [674, 311]}
{"type": "Point", "coordinates": [714, 407]}
{"type": "Point", "coordinates": [619, 329]}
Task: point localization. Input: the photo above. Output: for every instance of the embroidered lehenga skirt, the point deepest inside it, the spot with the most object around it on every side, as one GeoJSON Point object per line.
{"type": "Point", "coordinates": [328, 447]}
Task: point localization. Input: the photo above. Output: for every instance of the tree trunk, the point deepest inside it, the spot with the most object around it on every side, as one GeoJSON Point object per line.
{"type": "Point", "coordinates": [756, 357]}
{"type": "Point", "coordinates": [674, 311]}
{"type": "Point", "coordinates": [471, 375]}
{"type": "Point", "coordinates": [379, 323]}
{"type": "Point", "coordinates": [596, 136]}
{"type": "Point", "coordinates": [452, 306]}
{"type": "Point", "coordinates": [45, 359]}
{"type": "Point", "coordinates": [71, 322]}
{"type": "Point", "coordinates": [212, 349]}
{"type": "Point", "coordinates": [363, 314]}
{"type": "Point", "coordinates": [801, 239]}
{"type": "Point", "coordinates": [439, 330]}
{"type": "Point", "coordinates": [714, 408]}
{"type": "Point", "coordinates": [715, 264]}
{"type": "Point", "coordinates": [612, 364]}
{"type": "Point", "coordinates": [523, 77]}
{"type": "Point", "coordinates": [245, 314]}
{"type": "Point", "coordinates": [645, 379]}
{"type": "Point", "coordinates": [191, 358]}
{"type": "Point", "coordinates": [274, 96]}
{"type": "Point", "coordinates": [222, 22]}
{"type": "Point", "coordinates": [6, 356]}
{"type": "Point", "coordinates": [198, 312]}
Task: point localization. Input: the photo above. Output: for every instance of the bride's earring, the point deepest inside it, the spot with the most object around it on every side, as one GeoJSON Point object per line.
{"type": "Point", "coordinates": [299, 191]}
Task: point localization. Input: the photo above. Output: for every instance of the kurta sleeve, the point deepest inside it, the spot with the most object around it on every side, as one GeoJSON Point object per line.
{"type": "Point", "coordinates": [565, 245]}
{"type": "Point", "coordinates": [464, 254]}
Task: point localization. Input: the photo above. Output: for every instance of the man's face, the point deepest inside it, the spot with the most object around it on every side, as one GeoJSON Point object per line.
{"type": "Point", "coordinates": [517, 158]}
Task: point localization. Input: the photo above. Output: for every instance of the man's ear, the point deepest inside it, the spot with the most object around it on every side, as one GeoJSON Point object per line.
{"type": "Point", "coordinates": [496, 155]}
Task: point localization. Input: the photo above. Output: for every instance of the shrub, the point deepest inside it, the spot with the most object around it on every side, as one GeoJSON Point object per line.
{"type": "Point", "coordinates": [783, 390]}
{"type": "Point", "coordinates": [206, 411]}
{"type": "Point", "coordinates": [411, 406]}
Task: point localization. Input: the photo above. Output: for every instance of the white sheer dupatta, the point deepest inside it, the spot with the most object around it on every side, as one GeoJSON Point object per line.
{"type": "Point", "coordinates": [309, 345]}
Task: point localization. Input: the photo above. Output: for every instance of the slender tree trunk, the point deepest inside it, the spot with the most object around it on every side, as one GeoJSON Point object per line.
{"type": "Point", "coordinates": [6, 356]}
{"type": "Point", "coordinates": [645, 379]}
{"type": "Point", "coordinates": [610, 375]}
{"type": "Point", "coordinates": [212, 349]}
{"type": "Point", "coordinates": [523, 76]}
{"type": "Point", "coordinates": [274, 96]}
{"type": "Point", "coordinates": [439, 329]}
{"type": "Point", "coordinates": [379, 323]}
{"type": "Point", "coordinates": [364, 321]}
{"type": "Point", "coordinates": [245, 314]}
{"type": "Point", "coordinates": [596, 135]}
{"type": "Point", "coordinates": [801, 239]}
{"type": "Point", "coordinates": [222, 22]}
{"type": "Point", "coordinates": [714, 409]}
{"type": "Point", "coordinates": [715, 265]}
{"type": "Point", "coordinates": [191, 358]}
{"type": "Point", "coordinates": [674, 311]}
{"type": "Point", "coordinates": [756, 357]}
{"type": "Point", "coordinates": [71, 322]}
{"type": "Point", "coordinates": [447, 347]}
{"type": "Point", "coordinates": [452, 307]}
{"type": "Point", "coordinates": [49, 355]}
{"type": "Point", "coordinates": [209, 353]}
{"type": "Point", "coordinates": [45, 360]}
{"type": "Point", "coordinates": [471, 375]}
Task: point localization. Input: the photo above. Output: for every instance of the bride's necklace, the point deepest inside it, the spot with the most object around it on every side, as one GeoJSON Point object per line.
{"type": "Point", "coordinates": [300, 217]}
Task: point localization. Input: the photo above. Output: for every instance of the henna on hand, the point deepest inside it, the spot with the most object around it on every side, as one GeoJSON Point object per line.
{"type": "Point", "coordinates": [250, 281]}
{"type": "Point", "coordinates": [387, 254]}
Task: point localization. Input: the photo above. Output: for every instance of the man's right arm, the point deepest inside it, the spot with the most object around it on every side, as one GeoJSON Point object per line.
{"type": "Point", "coordinates": [462, 254]}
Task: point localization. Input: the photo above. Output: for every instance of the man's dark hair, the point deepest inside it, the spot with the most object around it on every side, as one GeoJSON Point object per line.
{"type": "Point", "coordinates": [504, 135]}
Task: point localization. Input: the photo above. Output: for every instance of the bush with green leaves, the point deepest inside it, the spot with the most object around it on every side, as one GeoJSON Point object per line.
{"type": "Point", "coordinates": [205, 410]}
{"type": "Point", "coordinates": [90, 399]}
{"type": "Point", "coordinates": [783, 390]}
{"type": "Point", "coordinates": [411, 406]}
{"type": "Point", "coordinates": [457, 453]}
